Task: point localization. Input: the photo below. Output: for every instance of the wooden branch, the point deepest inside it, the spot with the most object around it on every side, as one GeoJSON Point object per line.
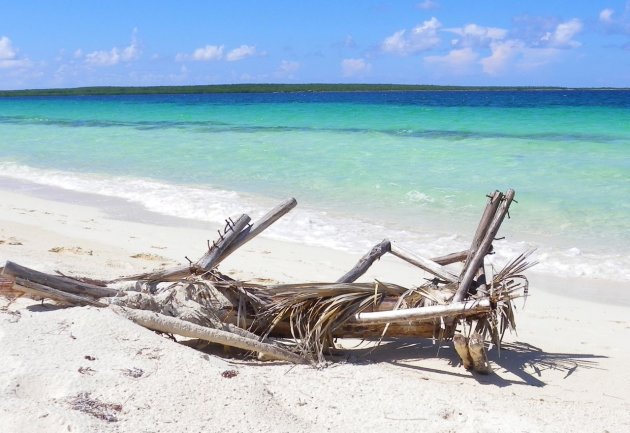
{"type": "Point", "coordinates": [208, 260]}
{"type": "Point", "coordinates": [39, 291]}
{"type": "Point", "coordinates": [366, 261]}
{"type": "Point", "coordinates": [485, 221]}
{"type": "Point", "coordinates": [63, 284]}
{"type": "Point", "coordinates": [476, 260]}
{"type": "Point", "coordinates": [205, 263]}
{"type": "Point", "coordinates": [459, 309]}
{"type": "Point", "coordinates": [171, 325]}
{"type": "Point", "coordinates": [425, 264]}
{"type": "Point", "coordinates": [258, 227]}
{"type": "Point", "coordinates": [459, 256]}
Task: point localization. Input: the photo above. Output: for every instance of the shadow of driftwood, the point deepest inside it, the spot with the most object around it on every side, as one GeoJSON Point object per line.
{"type": "Point", "coordinates": [522, 360]}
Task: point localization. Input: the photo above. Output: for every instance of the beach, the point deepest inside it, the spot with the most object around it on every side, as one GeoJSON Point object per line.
{"type": "Point", "coordinates": [566, 370]}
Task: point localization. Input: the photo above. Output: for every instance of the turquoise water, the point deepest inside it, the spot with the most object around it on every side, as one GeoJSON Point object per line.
{"type": "Point", "coordinates": [411, 166]}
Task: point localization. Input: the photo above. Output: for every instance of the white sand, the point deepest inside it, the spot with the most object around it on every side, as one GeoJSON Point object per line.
{"type": "Point", "coordinates": [567, 370]}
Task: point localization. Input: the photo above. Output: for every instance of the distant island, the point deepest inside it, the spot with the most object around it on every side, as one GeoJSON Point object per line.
{"type": "Point", "coordinates": [270, 88]}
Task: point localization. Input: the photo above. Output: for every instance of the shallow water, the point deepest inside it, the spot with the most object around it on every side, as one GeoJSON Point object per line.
{"type": "Point", "coordinates": [412, 166]}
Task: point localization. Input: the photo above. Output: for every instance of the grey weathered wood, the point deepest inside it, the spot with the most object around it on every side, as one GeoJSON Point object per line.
{"type": "Point", "coordinates": [473, 264]}
{"type": "Point", "coordinates": [425, 264]}
{"type": "Point", "coordinates": [171, 325]}
{"type": "Point", "coordinates": [36, 290]}
{"type": "Point", "coordinates": [366, 261]}
{"type": "Point", "coordinates": [63, 284]}
{"type": "Point", "coordinates": [255, 229]}
{"type": "Point", "coordinates": [247, 234]}
{"type": "Point", "coordinates": [209, 259]}
{"type": "Point", "coordinates": [485, 221]}
{"type": "Point", "coordinates": [453, 310]}
{"type": "Point", "coordinates": [447, 259]}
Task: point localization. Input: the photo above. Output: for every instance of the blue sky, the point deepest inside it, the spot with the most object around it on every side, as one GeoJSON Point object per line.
{"type": "Point", "coordinates": [465, 42]}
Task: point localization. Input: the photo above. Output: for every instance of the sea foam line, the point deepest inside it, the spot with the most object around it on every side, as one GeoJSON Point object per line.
{"type": "Point", "coordinates": [311, 226]}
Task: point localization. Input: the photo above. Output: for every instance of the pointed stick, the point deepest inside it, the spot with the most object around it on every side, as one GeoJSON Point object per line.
{"type": "Point", "coordinates": [476, 261]}
{"type": "Point", "coordinates": [209, 259]}
{"type": "Point", "coordinates": [425, 264]}
{"type": "Point", "coordinates": [255, 229]}
{"type": "Point", "coordinates": [366, 261]}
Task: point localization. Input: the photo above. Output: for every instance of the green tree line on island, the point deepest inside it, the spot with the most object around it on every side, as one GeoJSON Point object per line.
{"type": "Point", "coordinates": [257, 88]}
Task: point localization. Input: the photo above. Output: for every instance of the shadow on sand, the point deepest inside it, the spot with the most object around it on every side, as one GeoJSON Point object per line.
{"type": "Point", "coordinates": [528, 363]}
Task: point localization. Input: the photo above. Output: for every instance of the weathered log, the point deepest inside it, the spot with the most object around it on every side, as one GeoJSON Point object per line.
{"type": "Point", "coordinates": [459, 256]}
{"type": "Point", "coordinates": [366, 261]}
{"type": "Point", "coordinates": [476, 261]}
{"type": "Point", "coordinates": [171, 325]}
{"type": "Point", "coordinates": [461, 347]}
{"type": "Point", "coordinates": [209, 259]}
{"type": "Point", "coordinates": [486, 219]}
{"type": "Point", "coordinates": [63, 284]}
{"type": "Point", "coordinates": [258, 227]}
{"type": "Point", "coordinates": [425, 264]}
{"type": "Point", "coordinates": [453, 310]}
{"type": "Point", "coordinates": [39, 291]}
{"type": "Point", "coordinates": [478, 354]}
{"type": "Point", "coordinates": [245, 235]}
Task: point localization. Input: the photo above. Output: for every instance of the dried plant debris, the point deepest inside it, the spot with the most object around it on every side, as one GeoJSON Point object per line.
{"type": "Point", "coordinates": [133, 372]}
{"type": "Point", "coordinates": [86, 370]}
{"type": "Point", "coordinates": [83, 402]}
{"type": "Point", "coordinates": [229, 374]}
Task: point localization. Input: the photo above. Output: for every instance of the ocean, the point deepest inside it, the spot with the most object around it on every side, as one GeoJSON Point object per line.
{"type": "Point", "coordinates": [414, 167]}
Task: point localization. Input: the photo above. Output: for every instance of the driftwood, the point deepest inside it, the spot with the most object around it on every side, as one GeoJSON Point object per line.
{"type": "Point", "coordinates": [196, 301]}
{"type": "Point", "coordinates": [366, 261]}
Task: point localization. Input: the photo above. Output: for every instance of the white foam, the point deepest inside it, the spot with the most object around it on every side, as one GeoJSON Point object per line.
{"type": "Point", "coordinates": [315, 227]}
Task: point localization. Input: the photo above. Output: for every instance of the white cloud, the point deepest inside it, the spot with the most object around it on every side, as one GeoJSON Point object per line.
{"type": "Point", "coordinates": [209, 52]}
{"type": "Point", "coordinates": [352, 67]}
{"type": "Point", "coordinates": [457, 61]}
{"type": "Point", "coordinates": [288, 67]}
{"type": "Point", "coordinates": [115, 55]}
{"type": "Point", "coordinates": [241, 53]}
{"type": "Point", "coordinates": [421, 38]}
{"type": "Point", "coordinates": [473, 35]}
{"type": "Point", "coordinates": [562, 36]}
{"type": "Point", "coordinates": [605, 16]}
{"type": "Point", "coordinates": [9, 55]}
{"type": "Point", "coordinates": [427, 4]}
{"type": "Point", "coordinates": [203, 54]}
{"type": "Point", "coordinates": [502, 53]}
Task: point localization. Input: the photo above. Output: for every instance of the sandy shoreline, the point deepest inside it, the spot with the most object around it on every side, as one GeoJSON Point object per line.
{"type": "Point", "coordinates": [566, 370]}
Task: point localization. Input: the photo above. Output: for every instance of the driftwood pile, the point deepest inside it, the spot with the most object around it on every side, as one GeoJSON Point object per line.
{"type": "Point", "coordinates": [299, 322]}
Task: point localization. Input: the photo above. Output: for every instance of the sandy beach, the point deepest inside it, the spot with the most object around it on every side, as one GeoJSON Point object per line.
{"type": "Point", "coordinates": [566, 370]}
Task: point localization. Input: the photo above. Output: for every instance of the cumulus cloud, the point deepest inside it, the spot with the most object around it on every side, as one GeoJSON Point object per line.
{"type": "Point", "coordinates": [428, 4]}
{"type": "Point", "coordinates": [562, 36]}
{"type": "Point", "coordinates": [457, 61]}
{"type": "Point", "coordinates": [209, 52]}
{"type": "Point", "coordinates": [614, 23]}
{"type": "Point", "coordinates": [420, 38]}
{"type": "Point", "coordinates": [241, 53]}
{"type": "Point", "coordinates": [352, 67]}
{"type": "Point", "coordinates": [115, 55]}
{"type": "Point", "coordinates": [473, 35]}
{"type": "Point", "coordinates": [9, 55]}
{"type": "Point", "coordinates": [606, 16]}
{"type": "Point", "coordinates": [502, 53]}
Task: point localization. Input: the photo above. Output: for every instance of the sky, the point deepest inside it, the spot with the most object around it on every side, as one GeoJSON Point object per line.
{"type": "Point", "coordinates": [68, 43]}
